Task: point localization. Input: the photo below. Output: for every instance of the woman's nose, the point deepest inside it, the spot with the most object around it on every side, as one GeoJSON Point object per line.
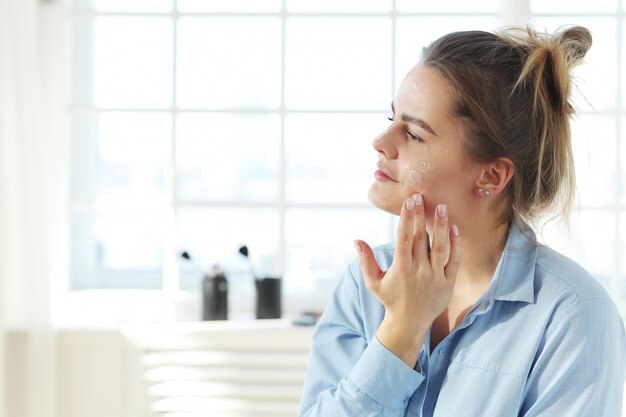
{"type": "Point", "coordinates": [385, 145]}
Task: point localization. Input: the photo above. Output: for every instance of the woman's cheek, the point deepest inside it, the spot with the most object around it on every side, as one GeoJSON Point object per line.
{"type": "Point", "coordinates": [414, 180]}
{"type": "Point", "coordinates": [415, 176]}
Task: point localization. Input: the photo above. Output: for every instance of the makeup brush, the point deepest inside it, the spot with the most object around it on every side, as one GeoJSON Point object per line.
{"type": "Point", "coordinates": [246, 253]}
{"type": "Point", "coordinates": [186, 256]}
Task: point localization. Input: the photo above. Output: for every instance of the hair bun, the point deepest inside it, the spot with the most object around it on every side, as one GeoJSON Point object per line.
{"type": "Point", "coordinates": [575, 41]}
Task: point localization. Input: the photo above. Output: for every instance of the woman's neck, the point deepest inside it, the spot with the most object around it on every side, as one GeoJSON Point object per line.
{"type": "Point", "coordinates": [482, 246]}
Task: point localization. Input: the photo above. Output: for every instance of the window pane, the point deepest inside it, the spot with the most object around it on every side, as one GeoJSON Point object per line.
{"type": "Point", "coordinates": [329, 157]}
{"type": "Point", "coordinates": [589, 242]}
{"type": "Point", "coordinates": [121, 155]}
{"type": "Point", "coordinates": [134, 149]}
{"type": "Point", "coordinates": [117, 250]}
{"type": "Point", "coordinates": [338, 63]}
{"type": "Point", "coordinates": [132, 62]}
{"type": "Point", "coordinates": [235, 6]}
{"type": "Point", "coordinates": [596, 78]}
{"type": "Point", "coordinates": [448, 6]}
{"type": "Point", "coordinates": [128, 6]}
{"type": "Point", "coordinates": [568, 6]}
{"type": "Point", "coordinates": [319, 242]}
{"type": "Point", "coordinates": [338, 6]}
{"type": "Point", "coordinates": [214, 236]}
{"type": "Point", "coordinates": [129, 242]}
{"type": "Point", "coordinates": [227, 157]}
{"type": "Point", "coordinates": [229, 62]}
{"type": "Point", "coordinates": [594, 143]}
{"type": "Point", "coordinates": [415, 33]}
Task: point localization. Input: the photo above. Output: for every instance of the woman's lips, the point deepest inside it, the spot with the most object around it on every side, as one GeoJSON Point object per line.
{"type": "Point", "coordinates": [381, 174]}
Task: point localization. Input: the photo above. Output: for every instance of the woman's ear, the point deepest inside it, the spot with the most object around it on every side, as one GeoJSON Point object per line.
{"type": "Point", "coordinates": [495, 176]}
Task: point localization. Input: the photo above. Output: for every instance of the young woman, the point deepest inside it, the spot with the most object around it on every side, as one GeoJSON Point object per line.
{"type": "Point", "coordinates": [478, 147]}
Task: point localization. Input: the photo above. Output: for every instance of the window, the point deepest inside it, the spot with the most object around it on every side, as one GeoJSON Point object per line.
{"type": "Point", "coordinates": [202, 125]}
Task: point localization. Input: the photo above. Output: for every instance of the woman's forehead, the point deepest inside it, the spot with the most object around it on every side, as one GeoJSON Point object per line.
{"type": "Point", "coordinates": [424, 93]}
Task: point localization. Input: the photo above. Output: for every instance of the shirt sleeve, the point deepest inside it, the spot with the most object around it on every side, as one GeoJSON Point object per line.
{"type": "Point", "coordinates": [349, 375]}
{"type": "Point", "coordinates": [579, 370]}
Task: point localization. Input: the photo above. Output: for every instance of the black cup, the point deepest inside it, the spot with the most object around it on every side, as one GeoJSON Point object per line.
{"type": "Point", "coordinates": [268, 298]}
{"type": "Point", "coordinates": [215, 297]}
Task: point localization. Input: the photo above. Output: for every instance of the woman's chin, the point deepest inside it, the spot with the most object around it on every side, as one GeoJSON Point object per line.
{"type": "Point", "coordinates": [384, 202]}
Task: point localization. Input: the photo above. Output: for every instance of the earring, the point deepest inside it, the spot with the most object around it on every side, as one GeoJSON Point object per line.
{"type": "Point", "coordinates": [483, 192]}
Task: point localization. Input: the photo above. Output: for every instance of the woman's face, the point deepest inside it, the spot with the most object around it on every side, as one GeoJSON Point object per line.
{"type": "Point", "coordinates": [421, 151]}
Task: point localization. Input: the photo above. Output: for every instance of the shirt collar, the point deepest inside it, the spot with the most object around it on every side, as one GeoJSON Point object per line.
{"type": "Point", "coordinates": [513, 279]}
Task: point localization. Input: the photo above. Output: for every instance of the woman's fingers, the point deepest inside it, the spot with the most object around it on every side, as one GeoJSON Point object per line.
{"type": "Point", "coordinates": [420, 236]}
{"type": "Point", "coordinates": [438, 251]}
{"type": "Point", "coordinates": [404, 237]}
{"type": "Point", "coordinates": [371, 271]}
{"type": "Point", "coordinates": [452, 267]}
{"type": "Point", "coordinates": [412, 244]}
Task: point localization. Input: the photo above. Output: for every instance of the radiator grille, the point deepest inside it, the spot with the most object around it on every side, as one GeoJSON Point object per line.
{"type": "Point", "coordinates": [217, 370]}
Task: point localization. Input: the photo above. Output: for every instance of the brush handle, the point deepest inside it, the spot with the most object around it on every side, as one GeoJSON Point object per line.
{"type": "Point", "coordinates": [246, 253]}
{"type": "Point", "coordinates": [186, 256]}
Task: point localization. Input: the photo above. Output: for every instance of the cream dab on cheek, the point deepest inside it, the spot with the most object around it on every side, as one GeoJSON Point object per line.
{"type": "Point", "coordinates": [425, 167]}
{"type": "Point", "coordinates": [415, 176]}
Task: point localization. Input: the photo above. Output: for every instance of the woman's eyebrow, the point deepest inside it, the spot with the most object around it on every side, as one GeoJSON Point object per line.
{"type": "Point", "coordinates": [414, 120]}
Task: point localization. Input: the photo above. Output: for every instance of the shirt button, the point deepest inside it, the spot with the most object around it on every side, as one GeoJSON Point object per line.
{"type": "Point", "coordinates": [443, 351]}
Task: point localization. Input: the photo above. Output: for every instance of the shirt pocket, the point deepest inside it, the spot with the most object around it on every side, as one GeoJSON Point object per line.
{"type": "Point", "coordinates": [475, 391]}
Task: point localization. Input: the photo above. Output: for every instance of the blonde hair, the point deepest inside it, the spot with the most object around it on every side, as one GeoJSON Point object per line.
{"type": "Point", "coordinates": [513, 91]}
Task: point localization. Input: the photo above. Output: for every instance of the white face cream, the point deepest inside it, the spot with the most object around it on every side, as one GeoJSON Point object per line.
{"type": "Point", "coordinates": [409, 89]}
{"type": "Point", "coordinates": [415, 176]}
{"type": "Point", "coordinates": [425, 167]}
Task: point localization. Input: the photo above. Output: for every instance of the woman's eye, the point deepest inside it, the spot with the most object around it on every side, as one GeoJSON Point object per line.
{"type": "Point", "coordinates": [390, 118]}
{"type": "Point", "coordinates": [414, 136]}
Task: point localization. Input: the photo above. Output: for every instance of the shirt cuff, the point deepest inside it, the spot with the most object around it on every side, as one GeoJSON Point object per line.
{"type": "Point", "coordinates": [384, 377]}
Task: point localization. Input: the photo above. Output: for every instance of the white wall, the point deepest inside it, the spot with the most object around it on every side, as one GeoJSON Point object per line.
{"type": "Point", "coordinates": [98, 375]}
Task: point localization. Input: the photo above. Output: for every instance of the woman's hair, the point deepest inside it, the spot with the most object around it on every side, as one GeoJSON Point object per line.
{"type": "Point", "coordinates": [513, 94]}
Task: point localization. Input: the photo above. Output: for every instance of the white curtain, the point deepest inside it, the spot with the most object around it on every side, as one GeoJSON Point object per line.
{"type": "Point", "coordinates": [32, 201]}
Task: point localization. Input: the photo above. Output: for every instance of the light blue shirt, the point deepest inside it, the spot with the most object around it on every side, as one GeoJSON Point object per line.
{"type": "Point", "coordinates": [544, 340]}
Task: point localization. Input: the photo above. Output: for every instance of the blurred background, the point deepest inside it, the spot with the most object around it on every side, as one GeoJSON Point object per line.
{"type": "Point", "coordinates": [132, 130]}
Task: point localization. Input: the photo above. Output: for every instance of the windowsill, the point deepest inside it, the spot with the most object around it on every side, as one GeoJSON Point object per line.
{"type": "Point", "coordinates": [117, 309]}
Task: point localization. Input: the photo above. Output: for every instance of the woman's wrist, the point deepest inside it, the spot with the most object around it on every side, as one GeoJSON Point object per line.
{"type": "Point", "coordinates": [402, 340]}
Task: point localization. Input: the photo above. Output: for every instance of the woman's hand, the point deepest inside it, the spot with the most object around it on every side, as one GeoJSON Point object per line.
{"type": "Point", "coordinates": [417, 287]}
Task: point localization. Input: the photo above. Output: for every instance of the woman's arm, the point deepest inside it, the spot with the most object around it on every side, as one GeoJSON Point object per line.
{"type": "Point", "coordinates": [418, 286]}
{"type": "Point", "coordinates": [350, 375]}
{"type": "Point", "coordinates": [579, 368]}
{"type": "Point", "coordinates": [347, 375]}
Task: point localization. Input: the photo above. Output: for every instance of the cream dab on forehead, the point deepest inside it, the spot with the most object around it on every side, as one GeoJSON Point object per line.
{"type": "Point", "coordinates": [410, 89]}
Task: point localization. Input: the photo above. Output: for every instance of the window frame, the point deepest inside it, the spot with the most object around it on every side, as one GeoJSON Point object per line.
{"type": "Point", "coordinates": [511, 12]}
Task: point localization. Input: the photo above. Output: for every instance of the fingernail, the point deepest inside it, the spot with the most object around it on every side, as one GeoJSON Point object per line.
{"type": "Point", "coordinates": [442, 210]}
{"type": "Point", "coordinates": [419, 200]}
{"type": "Point", "coordinates": [455, 230]}
{"type": "Point", "coordinates": [357, 245]}
{"type": "Point", "coordinates": [410, 204]}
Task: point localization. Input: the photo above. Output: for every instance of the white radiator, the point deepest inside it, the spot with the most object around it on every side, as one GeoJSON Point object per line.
{"type": "Point", "coordinates": [223, 369]}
